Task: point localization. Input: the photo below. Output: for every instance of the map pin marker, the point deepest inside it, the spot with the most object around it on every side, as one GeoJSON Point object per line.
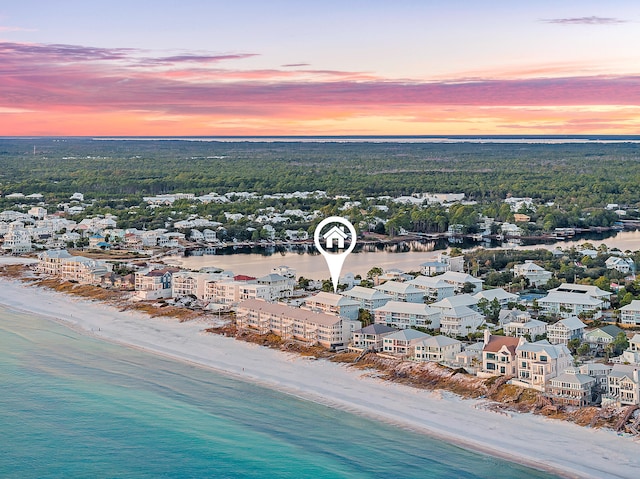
{"type": "Point", "coordinates": [334, 237]}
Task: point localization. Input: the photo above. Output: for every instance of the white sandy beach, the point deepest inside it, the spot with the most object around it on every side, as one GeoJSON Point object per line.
{"type": "Point", "coordinates": [534, 440]}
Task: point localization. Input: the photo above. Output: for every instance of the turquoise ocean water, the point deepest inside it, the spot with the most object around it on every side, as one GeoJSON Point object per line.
{"type": "Point", "coordinates": [75, 407]}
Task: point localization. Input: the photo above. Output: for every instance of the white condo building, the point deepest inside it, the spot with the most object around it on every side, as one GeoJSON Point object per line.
{"type": "Point", "coordinates": [403, 315]}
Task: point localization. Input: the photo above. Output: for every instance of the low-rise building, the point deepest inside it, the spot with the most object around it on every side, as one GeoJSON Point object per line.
{"type": "Point", "coordinates": [623, 387]}
{"type": "Point", "coordinates": [331, 303]}
{"type": "Point", "coordinates": [499, 354]}
{"type": "Point", "coordinates": [586, 289]}
{"type": "Point", "coordinates": [331, 332]}
{"type": "Point", "coordinates": [630, 314]}
{"type": "Point", "coordinates": [154, 284]}
{"type": "Point", "coordinates": [458, 281]}
{"type": "Point", "coordinates": [598, 338]}
{"type": "Point", "coordinates": [572, 388]}
{"type": "Point", "coordinates": [402, 315]}
{"type": "Point", "coordinates": [536, 275]}
{"type": "Point", "coordinates": [565, 330]}
{"type": "Point", "coordinates": [434, 288]}
{"type": "Point", "coordinates": [401, 342]}
{"type": "Point", "coordinates": [402, 291]}
{"type": "Point", "coordinates": [540, 361]}
{"type": "Point", "coordinates": [503, 297]}
{"type": "Point", "coordinates": [437, 348]}
{"type": "Point", "coordinates": [84, 270]}
{"type": "Point", "coordinates": [368, 298]}
{"type": "Point", "coordinates": [566, 305]}
{"type": "Point", "coordinates": [528, 328]}
{"type": "Point", "coordinates": [50, 261]}
{"type": "Point", "coordinates": [370, 337]}
{"type": "Point", "coordinates": [623, 265]}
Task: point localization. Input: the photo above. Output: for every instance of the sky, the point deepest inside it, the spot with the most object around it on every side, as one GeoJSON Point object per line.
{"type": "Point", "coordinates": [350, 67]}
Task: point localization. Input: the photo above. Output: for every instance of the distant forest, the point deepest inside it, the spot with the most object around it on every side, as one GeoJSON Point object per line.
{"type": "Point", "coordinates": [576, 175]}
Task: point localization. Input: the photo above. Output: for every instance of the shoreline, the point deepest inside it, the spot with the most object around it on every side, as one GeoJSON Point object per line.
{"type": "Point", "coordinates": [544, 444]}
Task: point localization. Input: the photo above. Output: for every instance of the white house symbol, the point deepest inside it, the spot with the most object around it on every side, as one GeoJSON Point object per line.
{"type": "Point", "coordinates": [335, 233]}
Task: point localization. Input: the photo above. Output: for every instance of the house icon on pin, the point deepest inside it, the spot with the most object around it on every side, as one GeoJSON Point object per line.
{"type": "Point", "coordinates": [335, 234]}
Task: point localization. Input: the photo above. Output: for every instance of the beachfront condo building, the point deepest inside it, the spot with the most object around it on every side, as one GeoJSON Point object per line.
{"type": "Point", "coordinates": [331, 303]}
{"type": "Point", "coordinates": [331, 332]}
{"type": "Point", "coordinates": [402, 291]}
{"type": "Point", "coordinates": [434, 288]}
{"type": "Point", "coordinates": [402, 315]}
{"type": "Point", "coordinates": [368, 298]}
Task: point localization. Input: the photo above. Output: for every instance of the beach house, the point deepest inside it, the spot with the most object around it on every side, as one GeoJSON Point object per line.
{"type": "Point", "coordinates": [154, 283]}
{"type": "Point", "coordinates": [401, 342]}
{"type": "Point", "coordinates": [401, 291]}
{"type": "Point", "coordinates": [630, 314]}
{"type": "Point", "coordinates": [565, 330]}
{"type": "Point", "coordinates": [434, 288]}
{"type": "Point", "coordinates": [441, 349]}
{"type": "Point", "coordinates": [623, 265]}
{"type": "Point", "coordinates": [599, 337]}
{"type": "Point", "coordinates": [499, 355]}
{"type": "Point", "coordinates": [50, 261]}
{"type": "Point", "coordinates": [586, 289]}
{"type": "Point", "coordinates": [572, 388]}
{"type": "Point", "coordinates": [536, 275]}
{"type": "Point", "coordinates": [368, 298]}
{"type": "Point", "coordinates": [503, 297]}
{"type": "Point", "coordinates": [458, 281]}
{"type": "Point", "coordinates": [623, 386]}
{"type": "Point", "coordinates": [565, 304]}
{"type": "Point", "coordinates": [402, 315]}
{"type": "Point", "coordinates": [331, 303]}
{"type": "Point", "coordinates": [370, 337]}
{"type": "Point", "coordinates": [540, 361]}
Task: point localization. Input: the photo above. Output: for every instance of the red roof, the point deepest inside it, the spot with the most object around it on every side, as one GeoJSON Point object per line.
{"type": "Point", "coordinates": [497, 342]}
{"type": "Point", "coordinates": [242, 277]}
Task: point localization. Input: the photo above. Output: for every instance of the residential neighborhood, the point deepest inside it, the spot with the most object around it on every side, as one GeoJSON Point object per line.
{"type": "Point", "coordinates": [572, 341]}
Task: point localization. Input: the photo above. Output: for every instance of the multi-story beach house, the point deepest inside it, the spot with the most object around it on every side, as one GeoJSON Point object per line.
{"type": "Point", "coordinates": [402, 315]}
{"type": "Point", "coordinates": [623, 386]}
{"type": "Point", "coordinates": [370, 337]}
{"type": "Point", "coordinates": [540, 361]}
{"type": "Point", "coordinates": [331, 303]}
{"type": "Point", "coordinates": [572, 388]}
{"type": "Point", "coordinates": [442, 264]}
{"type": "Point", "coordinates": [84, 270]}
{"type": "Point", "coordinates": [401, 291]}
{"type": "Point", "coordinates": [536, 275]}
{"type": "Point", "coordinates": [525, 327]}
{"type": "Point", "coordinates": [586, 289]}
{"type": "Point", "coordinates": [50, 261]}
{"type": "Point", "coordinates": [441, 349]}
{"type": "Point", "coordinates": [368, 298]}
{"type": "Point", "coordinates": [631, 355]}
{"type": "Point", "coordinates": [458, 281]}
{"type": "Point", "coordinates": [189, 283]}
{"type": "Point", "coordinates": [457, 318]}
{"type": "Point", "coordinates": [17, 240]}
{"type": "Point", "coordinates": [499, 354]}
{"type": "Point", "coordinates": [565, 330]}
{"type": "Point", "coordinates": [331, 332]}
{"type": "Point", "coordinates": [565, 304]}
{"type": "Point", "coordinates": [503, 297]}
{"type": "Point", "coordinates": [154, 284]}
{"type": "Point", "coordinates": [401, 342]}
{"type": "Point", "coordinates": [434, 288]}
{"type": "Point", "coordinates": [630, 314]}
{"type": "Point", "coordinates": [600, 337]}
{"type": "Point", "coordinates": [623, 265]}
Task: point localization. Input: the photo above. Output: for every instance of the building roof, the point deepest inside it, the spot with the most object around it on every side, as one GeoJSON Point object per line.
{"type": "Point", "coordinates": [570, 298]}
{"type": "Point", "coordinates": [633, 306]}
{"type": "Point", "coordinates": [55, 253]}
{"type": "Point", "coordinates": [459, 312]}
{"type": "Point", "coordinates": [408, 308]}
{"type": "Point", "coordinates": [499, 293]}
{"type": "Point", "coordinates": [587, 289]}
{"type": "Point", "coordinates": [429, 282]}
{"type": "Point", "coordinates": [457, 277]}
{"type": "Point", "coordinates": [622, 370]}
{"type": "Point", "coordinates": [553, 350]}
{"type": "Point", "coordinates": [570, 323]}
{"type": "Point", "coordinates": [361, 292]}
{"type": "Point", "coordinates": [456, 301]}
{"type": "Point", "coordinates": [332, 299]}
{"type": "Point", "coordinates": [272, 278]}
{"type": "Point", "coordinates": [532, 323]}
{"type": "Point", "coordinates": [243, 277]}
{"type": "Point", "coordinates": [611, 329]}
{"type": "Point", "coordinates": [439, 341]}
{"type": "Point", "coordinates": [573, 377]}
{"type": "Point", "coordinates": [529, 267]}
{"type": "Point", "coordinates": [408, 335]}
{"type": "Point", "coordinates": [397, 287]}
{"type": "Point", "coordinates": [287, 311]}
{"type": "Point", "coordinates": [496, 343]}
{"type": "Point", "coordinates": [376, 328]}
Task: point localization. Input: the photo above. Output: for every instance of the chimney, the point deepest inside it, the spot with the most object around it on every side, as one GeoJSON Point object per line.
{"type": "Point", "coordinates": [487, 336]}
{"type": "Point", "coordinates": [635, 376]}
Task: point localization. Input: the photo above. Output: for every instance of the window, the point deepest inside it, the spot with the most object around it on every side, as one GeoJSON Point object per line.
{"type": "Point", "coordinates": [543, 359]}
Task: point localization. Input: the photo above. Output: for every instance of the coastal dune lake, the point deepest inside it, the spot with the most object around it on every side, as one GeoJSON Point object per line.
{"type": "Point", "coordinates": [74, 406]}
